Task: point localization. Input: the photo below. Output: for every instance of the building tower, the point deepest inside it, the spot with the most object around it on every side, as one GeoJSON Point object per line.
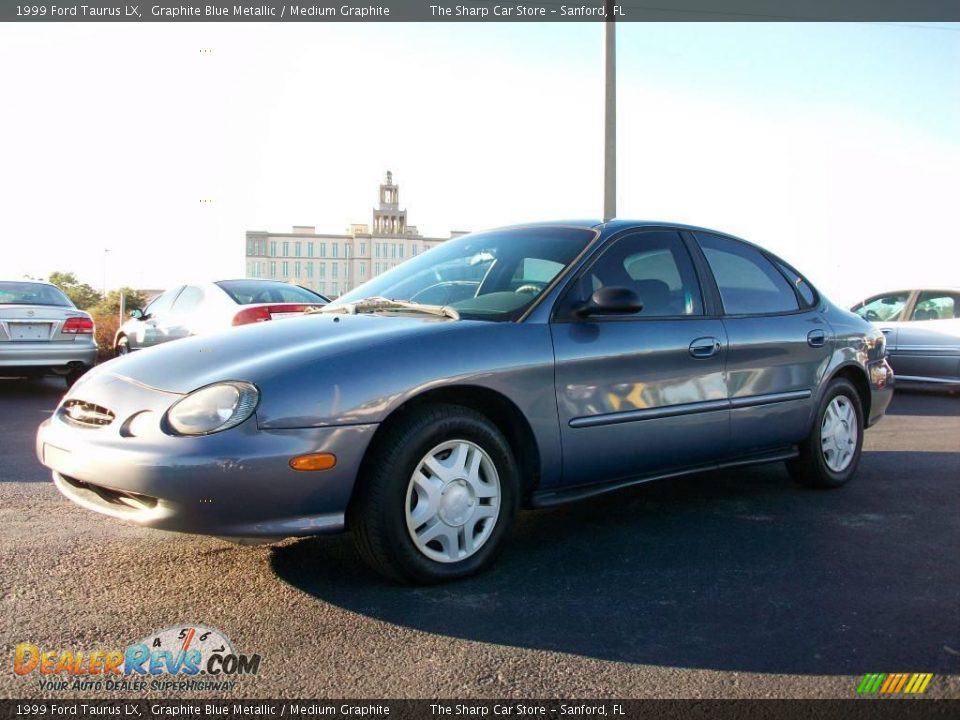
{"type": "Point", "coordinates": [388, 218]}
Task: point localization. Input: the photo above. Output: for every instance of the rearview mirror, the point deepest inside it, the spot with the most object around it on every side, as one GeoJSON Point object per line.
{"type": "Point", "coordinates": [611, 301]}
{"type": "Point", "coordinates": [136, 314]}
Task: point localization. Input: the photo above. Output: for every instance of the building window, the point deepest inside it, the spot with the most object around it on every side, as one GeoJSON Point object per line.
{"type": "Point", "coordinates": [273, 268]}
{"type": "Point", "coordinates": [309, 269]}
{"type": "Point", "coordinates": [335, 290]}
{"type": "Point", "coordinates": [323, 249]}
{"type": "Point", "coordinates": [377, 247]}
{"type": "Point", "coordinates": [363, 269]}
{"type": "Point", "coordinates": [273, 248]}
{"type": "Point", "coordinates": [322, 287]}
{"type": "Point", "coordinates": [285, 269]}
{"type": "Point", "coordinates": [400, 251]}
{"type": "Point", "coordinates": [296, 248]}
{"type": "Point", "coordinates": [333, 270]}
{"type": "Point", "coordinates": [346, 250]}
{"type": "Point", "coordinates": [286, 248]}
{"type": "Point", "coordinates": [363, 249]}
{"type": "Point", "coordinates": [334, 250]}
{"type": "Point", "coordinates": [393, 250]}
{"type": "Point", "coordinates": [413, 250]}
{"type": "Point", "coordinates": [296, 269]}
{"type": "Point", "coordinates": [309, 249]}
{"type": "Point", "coordinates": [323, 269]}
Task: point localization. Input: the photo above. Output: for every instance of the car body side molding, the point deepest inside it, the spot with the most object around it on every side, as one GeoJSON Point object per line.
{"type": "Point", "coordinates": [687, 409]}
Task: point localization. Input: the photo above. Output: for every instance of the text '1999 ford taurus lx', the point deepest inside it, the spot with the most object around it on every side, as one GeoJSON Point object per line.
{"type": "Point", "coordinates": [525, 366]}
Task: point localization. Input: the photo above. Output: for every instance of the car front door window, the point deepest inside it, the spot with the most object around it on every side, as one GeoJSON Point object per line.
{"type": "Point", "coordinates": [883, 308]}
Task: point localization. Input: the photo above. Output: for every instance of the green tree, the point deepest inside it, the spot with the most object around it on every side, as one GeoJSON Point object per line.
{"type": "Point", "coordinates": [82, 295]}
{"type": "Point", "coordinates": [111, 303]}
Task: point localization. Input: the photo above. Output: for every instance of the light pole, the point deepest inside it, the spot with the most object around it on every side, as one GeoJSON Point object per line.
{"type": "Point", "coordinates": [609, 113]}
{"type": "Point", "coordinates": [106, 252]}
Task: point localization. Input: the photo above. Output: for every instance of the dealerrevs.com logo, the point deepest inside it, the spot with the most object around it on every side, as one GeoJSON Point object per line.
{"type": "Point", "coordinates": [180, 658]}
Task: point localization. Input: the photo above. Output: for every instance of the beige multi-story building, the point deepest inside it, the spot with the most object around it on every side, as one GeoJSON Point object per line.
{"type": "Point", "coordinates": [334, 264]}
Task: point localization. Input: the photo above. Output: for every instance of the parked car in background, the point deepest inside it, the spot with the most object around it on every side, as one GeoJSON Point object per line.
{"type": "Point", "coordinates": [586, 357]}
{"type": "Point", "coordinates": [42, 331]}
{"type": "Point", "coordinates": [922, 328]}
{"type": "Point", "coordinates": [206, 307]}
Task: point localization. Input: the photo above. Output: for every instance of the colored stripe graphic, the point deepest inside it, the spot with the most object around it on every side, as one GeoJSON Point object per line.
{"type": "Point", "coordinates": [871, 683]}
{"type": "Point", "coordinates": [918, 683]}
{"type": "Point", "coordinates": [894, 683]}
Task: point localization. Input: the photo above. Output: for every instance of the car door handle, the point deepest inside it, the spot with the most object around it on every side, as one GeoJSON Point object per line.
{"type": "Point", "coordinates": [816, 338]}
{"type": "Point", "coordinates": [886, 331]}
{"type": "Point", "coordinates": [705, 347]}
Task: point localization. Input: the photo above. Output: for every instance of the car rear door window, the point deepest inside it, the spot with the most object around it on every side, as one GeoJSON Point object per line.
{"type": "Point", "coordinates": [804, 289]}
{"type": "Point", "coordinates": [936, 305]}
{"type": "Point", "coordinates": [749, 283]}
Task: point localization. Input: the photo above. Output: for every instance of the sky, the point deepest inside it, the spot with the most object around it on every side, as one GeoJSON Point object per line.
{"type": "Point", "coordinates": [139, 154]}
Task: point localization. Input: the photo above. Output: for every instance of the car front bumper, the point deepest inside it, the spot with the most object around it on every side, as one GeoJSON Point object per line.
{"type": "Point", "coordinates": [47, 354]}
{"type": "Point", "coordinates": [235, 483]}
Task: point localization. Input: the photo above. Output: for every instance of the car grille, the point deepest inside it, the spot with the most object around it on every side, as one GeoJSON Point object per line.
{"type": "Point", "coordinates": [121, 499]}
{"type": "Point", "coordinates": [85, 414]}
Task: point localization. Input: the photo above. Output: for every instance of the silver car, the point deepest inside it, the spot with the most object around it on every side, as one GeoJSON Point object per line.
{"type": "Point", "coordinates": [41, 332]}
{"type": "Point", "coordinates": [553, 362]}
{"type": "Point", "coordinates": [203, 308]}
{"type": "Point", "coordinates": [922, 328]}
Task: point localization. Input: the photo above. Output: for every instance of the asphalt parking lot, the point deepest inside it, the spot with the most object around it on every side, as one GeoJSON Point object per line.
{"type": "Point", "coordinates": [729, 584]}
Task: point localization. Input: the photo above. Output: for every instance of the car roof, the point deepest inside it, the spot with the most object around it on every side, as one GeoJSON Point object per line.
{"type": "Point", "coordinates": [916, 288]}
{"type": "Point", "coordinates": [617, 224]}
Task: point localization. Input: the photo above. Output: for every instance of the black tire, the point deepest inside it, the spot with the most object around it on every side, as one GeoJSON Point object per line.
{"type": "Point", "coordinates": [810, 468]}
{"type": "Point", "coordinates": [377, 516]}
{"type": "Point", "coordinates": [122, 347]}
{"type": "Point", "coordinates": [71, 377]}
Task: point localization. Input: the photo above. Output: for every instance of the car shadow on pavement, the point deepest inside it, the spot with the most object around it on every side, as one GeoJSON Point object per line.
{"type": "Point", "coordinates": [924, 401]}
{"type": "Point", "coordinates": [739, 571]}
{"type": "Point", "coordinates": [18, 387]}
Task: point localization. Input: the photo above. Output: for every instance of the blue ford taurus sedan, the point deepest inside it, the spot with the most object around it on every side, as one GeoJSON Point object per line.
{"type": "Point", "coordinates": [526, 366]}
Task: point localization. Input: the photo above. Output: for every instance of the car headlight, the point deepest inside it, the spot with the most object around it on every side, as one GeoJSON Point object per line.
{"type": "Point", "coordinates": [213, 408]}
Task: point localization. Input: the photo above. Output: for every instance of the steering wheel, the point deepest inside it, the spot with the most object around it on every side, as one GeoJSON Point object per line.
{"type": "Point", "coordinates": [530, 289]}
{"type": "Point", "coordinates": [872, 316]}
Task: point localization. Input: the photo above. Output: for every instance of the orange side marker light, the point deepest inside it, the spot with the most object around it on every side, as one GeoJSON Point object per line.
{"type": "Point", "coordinates": [314, 461]}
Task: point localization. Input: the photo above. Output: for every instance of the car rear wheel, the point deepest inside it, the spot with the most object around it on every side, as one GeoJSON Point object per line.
{"type": "Point", "coordinates": [122, 347]}
{"type": "Point", "coordinates": [830, 455]}
{"type": "Point", "coordinates": [75, 374]}
{"type": "Point", "coordinates": [436, 496]}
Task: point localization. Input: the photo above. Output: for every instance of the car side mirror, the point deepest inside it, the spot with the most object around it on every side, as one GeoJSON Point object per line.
{"type": "Point", "coordinates": [137, 314]}
{"type": "Point", "coordinates": [611, 301]}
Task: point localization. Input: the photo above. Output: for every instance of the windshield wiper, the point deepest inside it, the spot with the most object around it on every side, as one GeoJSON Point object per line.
{"type": "Point", "coordinates": [376, 304]}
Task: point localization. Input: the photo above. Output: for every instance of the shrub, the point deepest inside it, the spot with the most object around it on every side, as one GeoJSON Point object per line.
{"type": "Point", "coordinates": [107, 324]}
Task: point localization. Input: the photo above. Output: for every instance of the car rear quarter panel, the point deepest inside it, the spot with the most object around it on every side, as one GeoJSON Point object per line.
{"type": "Point", "coordinates": [858, 344]}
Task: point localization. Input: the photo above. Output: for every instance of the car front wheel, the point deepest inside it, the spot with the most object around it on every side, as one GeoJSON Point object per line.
{"type": "Point", "coordinates": [436, 497]}
{"type": "Point", "coordinates": [829, 456]}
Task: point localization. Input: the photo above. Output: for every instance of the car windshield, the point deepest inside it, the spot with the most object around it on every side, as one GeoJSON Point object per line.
{"type": "Point", "coordinates": [486, 276]}
{"type": "Point", "coordinates": [249, 292]}
{"type": "Point", "coordinates": [29, 293]}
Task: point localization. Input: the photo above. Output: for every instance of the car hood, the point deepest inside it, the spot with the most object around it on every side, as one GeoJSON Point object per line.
{"type": "Point", "coordinates": [266, 351]}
